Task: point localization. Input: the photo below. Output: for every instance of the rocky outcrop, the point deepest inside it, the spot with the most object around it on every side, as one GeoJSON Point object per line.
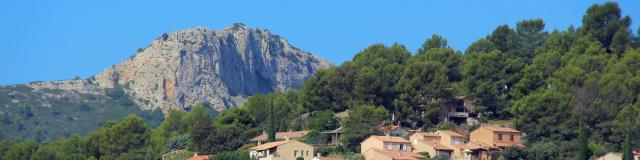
{"type": "Point", "coordinates": [218, 67]}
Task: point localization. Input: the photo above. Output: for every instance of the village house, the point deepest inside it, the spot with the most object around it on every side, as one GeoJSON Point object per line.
{"type": "Point", "coordinates": [500, 137]}
{"type": "Point", "coordinates": [263, 138]}
{"type": "Point", "coordinates": [388, 148]}
{"type": "Point", "coordinates": [457, 111]}
{"type": "Point", "coordinates": [448, 142]}
{"type": "Point", "coordinates": [282, 150]}
{"type": "Point", "coordinates": [393, 128]}
{"type": "Point", "coordinates": [333, 137]}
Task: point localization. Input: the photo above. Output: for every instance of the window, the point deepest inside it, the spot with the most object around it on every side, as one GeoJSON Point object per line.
{"type": "Point", "coordinates": [295, 153]}
{"type": "Point", "coordinates": [389, 147]}
{"type": "Point", "coordinates": [500, 136]}
{"type": "Point", "coordinates": [511, 137]}
{"type": "Point", "coordinates": [457, 140]}
{"type": "Point", "coordinates": [307, 153]}
{"type": "Point", "coordinates": [401, 147]}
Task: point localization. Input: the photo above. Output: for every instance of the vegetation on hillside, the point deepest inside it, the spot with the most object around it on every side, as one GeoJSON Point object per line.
{"type": "Point", "coordinates": [547, 83]}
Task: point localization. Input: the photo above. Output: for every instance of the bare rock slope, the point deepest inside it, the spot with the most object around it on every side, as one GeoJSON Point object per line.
{"type": "Point", "coordinates": [218, 67]}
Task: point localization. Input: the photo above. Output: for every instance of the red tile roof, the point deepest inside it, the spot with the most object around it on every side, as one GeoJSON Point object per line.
{"type": "Point", "coordinates": [450, 133]}
{"type": "Point", "coordinates": [499, 129]}
{"type": "Point", "coordinates": [387, 128]}
{"type": "Point", "coordinates": [199, 157]}
{"type": "Point", "coordinates": [269, 145]}
{"type": "Point", "coordinates": [400, 155]}
{"type": "Point", "coordinates": [437, 146]}
{"type": "Point", "coordinates": [502, 144]}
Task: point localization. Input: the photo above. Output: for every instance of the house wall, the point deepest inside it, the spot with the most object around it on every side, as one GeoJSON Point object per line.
{"type": "Point", "coordinates": [506, 137]}
{"type": "Point", "coordinates": [287, 150]}
{"type": "Point", "coordinates": [482, 135]}
{"type": "Point", "coordinates": [396, 146]}
{"type": "Point", "coordinates": [370, 143]}
{"type": "Point", "coordinates": [373, 155]}
{"type": "Point", "coordinates": [422, 147]}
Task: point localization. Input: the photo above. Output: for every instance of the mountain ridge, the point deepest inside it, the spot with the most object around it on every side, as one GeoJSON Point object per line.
{"type": "Point", "coordinates": [198, 65]}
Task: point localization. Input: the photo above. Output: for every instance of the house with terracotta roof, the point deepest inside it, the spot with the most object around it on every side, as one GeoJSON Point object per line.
{"type": "Point", "coordinates": [282, 150]}
{"type": "Point", "coordinates": [388, 148]}
{"type": "Point", "coordinates": [393, 129]}
{"type": "Point", "coordinates": [263, 138]}
{"type": "Point", "coordinates": [447, 142]}
{"type": "Point", "coordinates": [500, 137]}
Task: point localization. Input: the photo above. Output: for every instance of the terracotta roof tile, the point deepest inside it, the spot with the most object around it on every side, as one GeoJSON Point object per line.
{"type": "Point", "coordinates": [269, 145]}
{"type": "Point", "coordinates": [437, 145]}
{"type": "Point", "coordinates": [450, 133]}
{"type": "Point", "coordinates": [400, 155]}
{"type": "Point", "coordinates": [199, 157]}
{"type": "Point", "coordinates": [503, 144]}
{"type": "Point", "coordinates": [500, 129]}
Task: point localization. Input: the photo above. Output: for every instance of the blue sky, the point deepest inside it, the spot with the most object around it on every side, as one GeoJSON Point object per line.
{"type": "Point", "coordinates": [52, 40]}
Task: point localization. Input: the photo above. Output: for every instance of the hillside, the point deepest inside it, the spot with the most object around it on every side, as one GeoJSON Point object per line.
{"type": "Point", "coordinates": [218, 68]}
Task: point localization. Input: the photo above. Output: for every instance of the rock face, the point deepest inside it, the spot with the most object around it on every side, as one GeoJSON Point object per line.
{"type": "Point", "coordinates": [218, 67]}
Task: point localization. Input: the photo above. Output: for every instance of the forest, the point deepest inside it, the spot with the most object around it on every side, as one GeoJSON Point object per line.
{"type": "Point", "coordinates": [557, 86]}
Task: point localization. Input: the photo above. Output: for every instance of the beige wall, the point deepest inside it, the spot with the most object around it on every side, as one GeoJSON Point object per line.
{"type": "Point", "coordinates": [422, 147]}
{"type": "Point", "coordinates": [373, 155]}
{"type": "Point", "coordinates": [287, 150]}
{"type": "Point", "coordinates": [370, 143]}
{"type": "Point", "coordinates": [506, 137]}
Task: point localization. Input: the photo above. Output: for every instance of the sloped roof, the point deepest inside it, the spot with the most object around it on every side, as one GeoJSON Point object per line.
{"type": "Point", "coordinates": [337, 130]}
{"type": "Point", "coordinates": [282, 135]}
{"type": "Point", "coordinates": [199, 157]}
{"type": "Point", "coordinates": [400, 155]}
{"type": "Point", "coordinates": [437, 145]}
{"type": "Point", "coordinates": [393, 139]}
{"type": "Point", "coordinates": [427, 134]}
{"type": "Point", "coordinates": [450, 133]}
{"type": "Point", "coordinates": [499, 129]}
{"type": "Point", "coordinates": [269, 145]}
{"type": "Point", "coordinates": [503, 144]}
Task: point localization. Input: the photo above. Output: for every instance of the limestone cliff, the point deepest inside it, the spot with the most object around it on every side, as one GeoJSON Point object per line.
{"type": "Point", "coordinates": [218, 67]}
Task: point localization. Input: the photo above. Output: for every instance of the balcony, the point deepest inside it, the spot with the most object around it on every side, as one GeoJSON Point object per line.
{"type": "Point", "coordinates": [459, 114]}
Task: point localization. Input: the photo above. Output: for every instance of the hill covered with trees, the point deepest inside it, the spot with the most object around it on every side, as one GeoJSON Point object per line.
{"type": "Point", "coordinates": [546, 82]}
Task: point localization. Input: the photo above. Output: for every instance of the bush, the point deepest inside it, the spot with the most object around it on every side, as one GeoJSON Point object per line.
{"type": "Point", "coordinates": [443, 156]}
{"type": "Point", "coordinates": [513, 153]}
{"type": "Point", "coordinates": [229, 155]}
{"type": "Point", "coordinates": [177, 143]}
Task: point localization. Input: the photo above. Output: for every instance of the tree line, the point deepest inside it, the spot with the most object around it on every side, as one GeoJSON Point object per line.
{"type": "Point", "coordinates": [546, 82]}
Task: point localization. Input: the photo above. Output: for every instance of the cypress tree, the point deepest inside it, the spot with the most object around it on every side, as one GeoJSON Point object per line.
{"type": "Point", "coordinates": [626, 150]}
{"type": "Point", "coordinates": [272, 128]}
{"type": "Point", "coordinates": [582, 140]}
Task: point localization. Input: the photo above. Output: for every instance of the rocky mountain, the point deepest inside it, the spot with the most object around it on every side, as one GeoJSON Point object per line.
{"type": "Point", "coordinates": [198, 65]}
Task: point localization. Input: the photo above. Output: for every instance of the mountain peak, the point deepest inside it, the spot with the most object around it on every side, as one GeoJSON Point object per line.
{"type": "Point", "coordinates": [218, 67]}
